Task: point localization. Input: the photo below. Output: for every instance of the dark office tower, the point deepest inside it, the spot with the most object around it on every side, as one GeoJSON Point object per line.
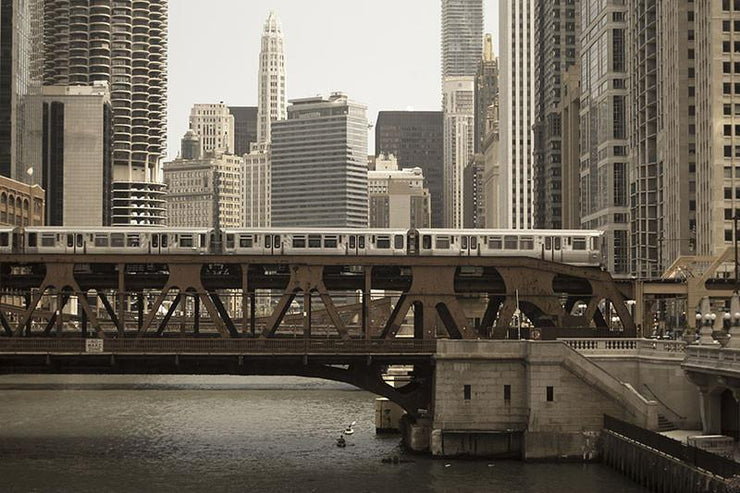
{"type": "Point", "coordinates": [123, 43]}
{"type": "Point", "coordinates": [245, 128]}
{"type": "Point", "coordinates": [20, 76]}
{"type": "Point", "coordinates": [486, 91]}
{"type": "Point", "coordinates": [556, 50]}
{"type": "Point", "coordinates": [416, 139]}
{"type": "Point", "coordinates": [319, 164]}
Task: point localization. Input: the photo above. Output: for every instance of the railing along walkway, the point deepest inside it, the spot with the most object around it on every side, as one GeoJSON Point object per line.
{"type": "Point", "coordinates": [628, 347]}
{"type": "Point", "coordinates": [215, 346]}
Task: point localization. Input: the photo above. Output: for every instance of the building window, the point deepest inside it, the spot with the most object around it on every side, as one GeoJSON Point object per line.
{"type": "Point", "coordinates": [550, 394]}
{"type": "Point", "coordinates": [466, 392]}
{"type": "Point", "coordinates": [507, 393]}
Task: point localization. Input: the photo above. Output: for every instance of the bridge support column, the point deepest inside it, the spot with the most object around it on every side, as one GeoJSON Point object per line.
{"type": "Point", "coordinates": [711, 411]}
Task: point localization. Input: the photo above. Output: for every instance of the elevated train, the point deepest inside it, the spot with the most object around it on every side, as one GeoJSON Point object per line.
{"type": "Point", "coordinates": [575, 247]}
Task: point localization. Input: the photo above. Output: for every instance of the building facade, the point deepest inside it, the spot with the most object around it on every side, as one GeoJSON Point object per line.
{"type": "Point", "coordinates": [73, 144]}
{"type": "Point", "coordinates": [21, 204]}
{"type": "Point", "coordinates": [21, 69]}
{"type": "Point", "coordinates": [125, 45]}
{"type": "Point", "coordinates": [397, 198]}
{"type": "Point", "coordinates": [319, 164]}
{"type": "Point", "coordinates": [245, 128]}
{"type": "Point", "coordinates": [459, 136]}
{"type": "Point", "coordinates": [677, 129]}
{"type": "Point", "coordinates": [556, 48]}
{"type": "Point", "coordinates": [205, 192]}
{"type": "Point", "coordinates": [416, 139]}
{"type": "Point", "coordinates": [474, 204]}
{"type": "Point", "coordinates": [258, 187]}
{"type": "Point", "coordinates": [603, 126]}
{"type": "Point", "coordinates": [570, 109]}
{"type": "Point", "coordinates": [486, 92]}
{"type": "Point", "coordinates": [214, 124]}
{"type": "Point", "coordinates": [462, 37]}
{"type": "Point", "coordinates": [517, 117]}
{"type": "Point", "coordinates": [271, 103]}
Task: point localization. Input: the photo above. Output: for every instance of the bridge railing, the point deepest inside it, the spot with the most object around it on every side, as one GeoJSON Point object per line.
{"type": "Point", "coordinates": [713, 355]}
{"type": "Point", "coordinates": [216, 346]}
{"type": "Point", "coordinates": [625, 347]}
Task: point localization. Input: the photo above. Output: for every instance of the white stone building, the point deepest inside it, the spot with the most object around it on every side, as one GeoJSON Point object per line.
{"type": "Point", "coordinates": [214, 124]}
{"type": "Point", "coordinates": [397, 198]}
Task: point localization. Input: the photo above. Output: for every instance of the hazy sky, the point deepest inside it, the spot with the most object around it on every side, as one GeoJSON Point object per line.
{"type": "Point", "coordinates": [382, 53]}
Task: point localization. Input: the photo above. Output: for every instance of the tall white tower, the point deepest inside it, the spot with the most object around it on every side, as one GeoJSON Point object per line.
{"type": "Point", "coordinates": [271, 105]}
{"type": "Point", "coordinates": [517, 115]}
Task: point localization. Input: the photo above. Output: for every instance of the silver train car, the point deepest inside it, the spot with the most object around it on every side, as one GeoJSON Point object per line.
{"type": "Point", "coordinates": [575, 247]}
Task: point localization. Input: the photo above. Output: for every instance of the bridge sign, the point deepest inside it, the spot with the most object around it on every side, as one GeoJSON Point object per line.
{"type": "Point", "coordinates": [93, 345]}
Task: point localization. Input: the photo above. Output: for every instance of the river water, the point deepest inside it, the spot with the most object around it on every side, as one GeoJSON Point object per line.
{"type": "Point", "coordinates": [124, 433]}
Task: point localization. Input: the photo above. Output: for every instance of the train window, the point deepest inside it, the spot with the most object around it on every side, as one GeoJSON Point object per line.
{"type": "Point", "coordinates": [155, 241]}
{"type": "Point", "coordinates": [268, 241]}
{"type": "Point", "coordinates": [330, 242]}
{"type": "Point", "coordinates": [32, 239]}
{"type": "Point", "coordinates": [495, 243]}
{"type": "Point", "coordinates": [202, 240]}
{"type": "Point", "coordinates": [361, 241]}
{"type": "Point", "coordinates": [132, 241]}
{"type": "Point", "coordinates": [70, 240]}
{"type": "Point", "coordinates": [186, 241]}
{"type": "Point", "coordinates": [4, 239]}
{"type": "Point", "coordinates": [473, 242]}
{"type": "Point", "coordinates": [116, 240]}
{"type": "Point", "coordinates": [383, 242]}
{"type": "Point", "coordinates": [511, 242]}
{"type": "Point", "coordinates": [245, 241]}
{"type": "Point", "coordinates": [426, 242]}
{"type": "Point", "coordinates": [276, 241]}
{"type": "Point", "coordinates": [101, 240]}
{"type": "Point", "coordinates": [79, 241]}
{"type": "Point", "coordinates": [526, 243]}
{"type": "Point", "coordinates": [442, 243]}
{"type": "Point", "coordinates": [548, 243]}
{"type": "Point", "coordinates": [352, 241]}
{"type": "Point", "coordinates": [556, 243]}
{"type": "Point", "coordinates": [464, 242]}
{"type": "Point", "coordinates": [314, 241]}
{"type": "Point", "coordinates": [164, 241]}
{"type": "Point", "coordinates": [579, 243]}
{"type": "Point", "coordinates": [230, 240]}
{"type": "Point", "coordinates": [299, 242]}
{"type": "Point", "coordinates": [594, 243]}
{"type": "Point", "coordinates": [398, 242]}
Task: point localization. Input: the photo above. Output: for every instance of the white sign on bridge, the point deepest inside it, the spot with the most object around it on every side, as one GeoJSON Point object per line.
{"type": "Point", "coordinates": [93, 345]}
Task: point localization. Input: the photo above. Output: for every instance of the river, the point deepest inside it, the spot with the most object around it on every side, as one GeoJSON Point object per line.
{"type": "Point", "coordinates": [197, 433]}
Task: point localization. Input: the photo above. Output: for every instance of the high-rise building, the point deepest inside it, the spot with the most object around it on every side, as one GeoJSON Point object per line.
{"type": "Point", "coordinates": [462, 48]}
{"type": "Point", "coordinates": [677, 128]}
{"type": "Point", "coordinates": [604, 139]}
{"type": "Point", "coordinates": [474, 204]}
{"type": "Point", "coordinates": [125, 45]}
{"type": "Point", "coordinates": [717, 133]}
{"type": "Point", "coordinates": [257, 187]}
{"type": "Point", "coordinates": [245, 128]}
{"type": "Point", "coordinates": [517, 115]}
{"type": "Point", "coordinates": [416, 139]}
{"type": "Point", "coordinates": [556, 49]}
{"type": "Point", "coordinates": [319, 164]}
{"type": "Point", "coordinates": [459, 136]}
{"type": "Point", "coordinates": [462, 37]}
{"type": "Point", "coordinates": [21, 69]}
{"type": "Point", "coordinates": [570, 109]}
{"type": "Point", "coordinates": [271, 103]}
{"type": "Point", "coordinates": [397, 198]}
{"type": "Point", "coordinates": [214, 125]}
{"type": "Point", "coordinates": [73, 144]}
{"type": "Point", "coordinates": [486, 92]}
{"type": "Point", "coordinates": [644, 170]}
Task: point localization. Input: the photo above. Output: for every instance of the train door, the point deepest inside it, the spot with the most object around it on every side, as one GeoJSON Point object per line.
{"type": "Point", "coordinates": [557, 249]}
{"type": "Point", "coordinates": [469, 246]}
{"type": "Point", "coordinates": [412, 243]}
{"type": "Point", "coordinates": [352, 245]}
{"type": "Point", "coordinates": [547, 248]}
{"type": "Point", "coordinates": [273, 245]}
{"type": "Point", "coordinates": [159, 243]}
{"type": "Point", "coordinates": [464, 246]}
{"type": "Point", "coordinates": [74, 243]}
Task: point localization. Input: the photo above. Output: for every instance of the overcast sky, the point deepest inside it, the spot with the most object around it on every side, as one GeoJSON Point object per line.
{"type": "Point", "coordinates": [382, 53]}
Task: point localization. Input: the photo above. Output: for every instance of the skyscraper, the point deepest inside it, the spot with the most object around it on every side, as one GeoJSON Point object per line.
{"type": "Point", "coordinates": [214, 124]}
{"type": "Point", "coordinates": [517, 116]}
{"type": "Point", "coordinates": [271, 104]}
{"type": "Point", "coordinates": [486, 92]}
{"type": "Point", "coordinates": [125, 45]}
{"type": "Point", "coordinates": [462, 47]}
{"type": "Point", "coordinates": [604, 138]}
{"type": "Point", "coordinates": [556, 49]}
{"type": "Point", "coordinates": [416, 138]}
{"type": "Point", "coordinates": [319, 164]}
{"type": "Point", "coordinates": [245, 128]}
{"type": "Point", "coordinates": [21, 59]}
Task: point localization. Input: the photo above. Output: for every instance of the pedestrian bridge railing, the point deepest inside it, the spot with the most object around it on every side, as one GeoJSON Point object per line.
{"type": "Point", "coordinates": [628, 347]}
